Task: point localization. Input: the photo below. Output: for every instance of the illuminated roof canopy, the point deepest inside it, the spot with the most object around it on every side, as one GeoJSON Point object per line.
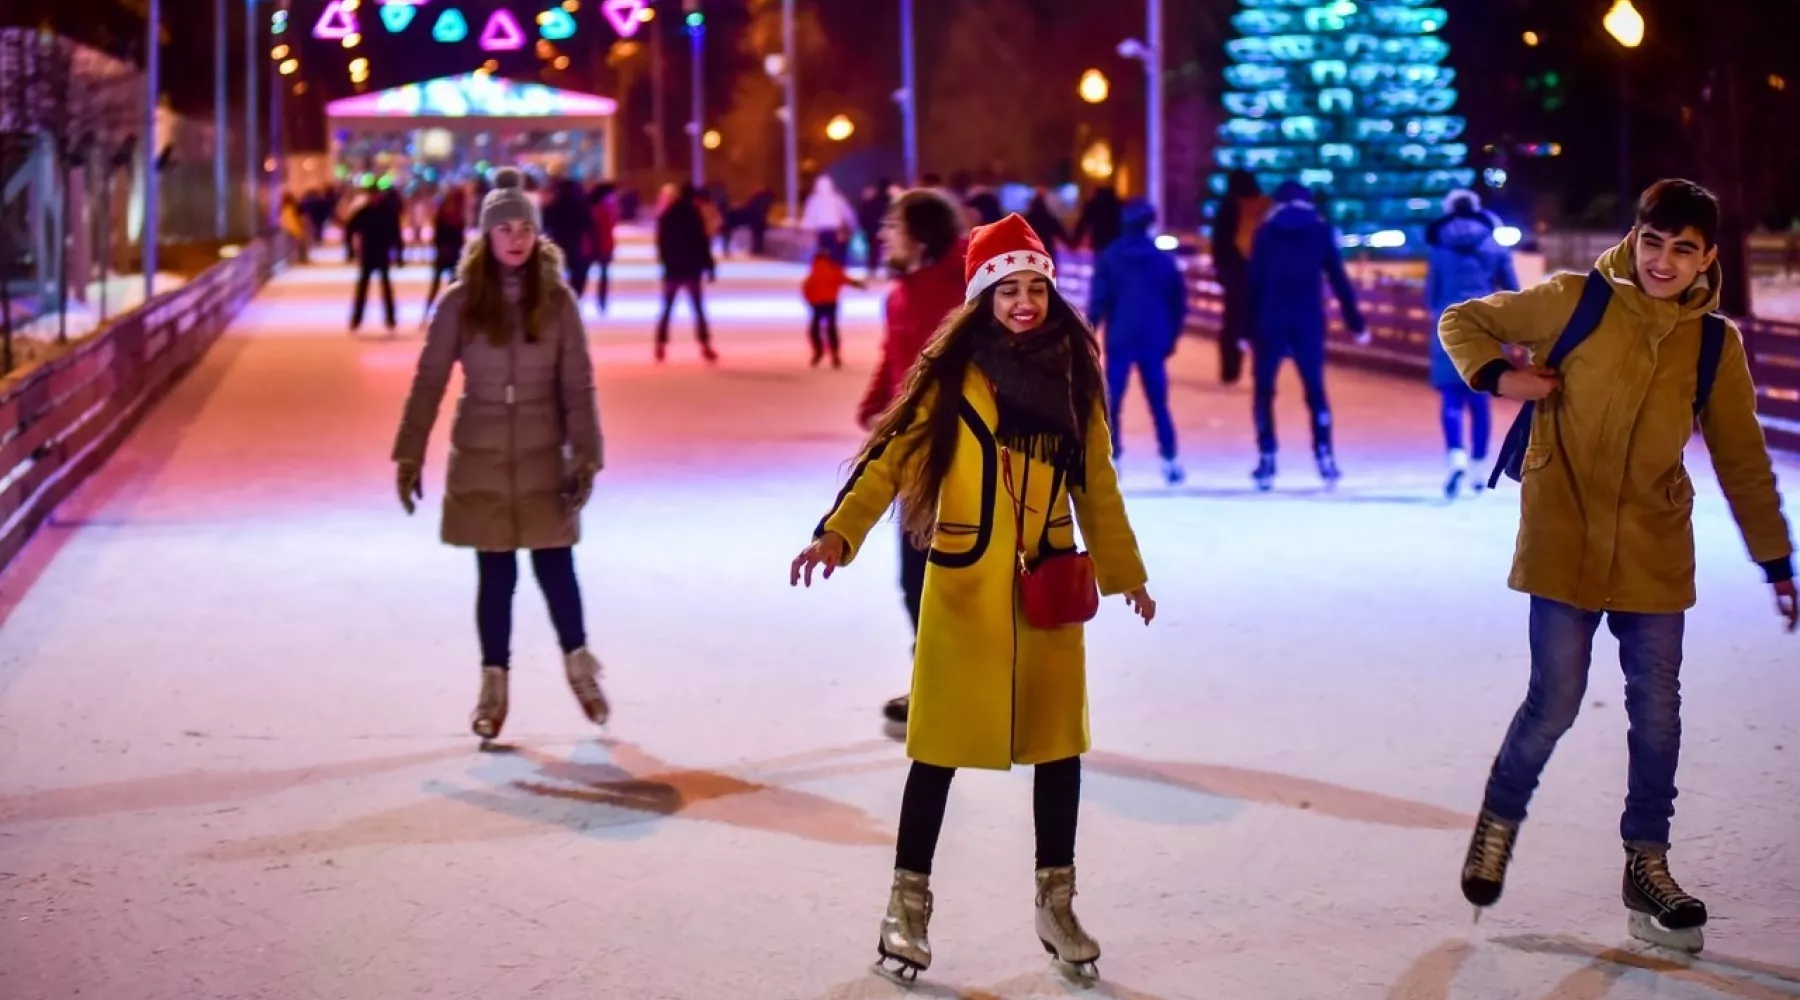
{"type": "Point", "coordinates": [473, 96]}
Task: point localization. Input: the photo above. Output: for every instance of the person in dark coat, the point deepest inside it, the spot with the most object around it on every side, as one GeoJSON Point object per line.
{"type": "Point", "coordinates": [1140, 298]}
{"type": "Point", "coordinates": [1239, 215]}
{"type": "Point", "coordinates": [375, 238]}
{"type": "Point", "coordinates": [448, 226]}
{"type": "Point", "coordinates": [569, 222]}
{"type": "Point", "coordinates": [685, 248]}
{"type": "Point", "coordinates": [1044, 221]}
{"type": "Point", "coordinates": [1464, 262]}
{"type": "Point", "coordinates": [1100, 221]}
{"type": "Point", "coordinates": [605, 213]}
{"type": "Point", "coordinates": [1293, 249]}
{"type": "Point", "coordinates": [871, 211]}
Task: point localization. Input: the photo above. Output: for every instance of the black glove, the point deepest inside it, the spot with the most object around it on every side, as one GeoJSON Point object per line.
{"type": "Point", "coordinates": [410, 482]}
{"type": "Point", "coordinates": [581, 488]}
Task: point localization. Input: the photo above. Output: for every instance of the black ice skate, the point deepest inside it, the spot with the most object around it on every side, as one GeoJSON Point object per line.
{"type": "Point", "coordinates": [895, 710]}
{"type": "Point", "coordinates": [1328, 467]}
{"type": "Point", "coordinates": [1265, 472]}
{"type": "Point", "coordinates": [1490, 851]}
{"type": "Point", "coordinates": [1662, 913]}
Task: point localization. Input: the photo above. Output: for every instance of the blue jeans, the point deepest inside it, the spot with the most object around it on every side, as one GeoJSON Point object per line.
{"type": "Point", "coordinates": [1153, 372]}
{"type": "Point", "coordinates": [1562, 645]}
{"type": "Point", "coordinates": [1456, 399]}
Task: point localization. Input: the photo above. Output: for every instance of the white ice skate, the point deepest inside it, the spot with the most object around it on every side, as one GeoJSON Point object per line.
{"type": "Point", "coordinates": [905, 943]}
{"type": "Point", "coordinates": [1459, 470]}
{"type": "Point", "coordinates": [1058, 929]}
{"type": "Point", "coordinates": [583, 672]}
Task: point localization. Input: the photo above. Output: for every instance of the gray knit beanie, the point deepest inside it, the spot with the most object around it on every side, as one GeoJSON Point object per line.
{"type": "Point", "coordinates": [508, 202]}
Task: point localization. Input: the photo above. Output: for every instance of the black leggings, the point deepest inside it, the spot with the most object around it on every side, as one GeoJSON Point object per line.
{"type": "Point", "coordinates": [823, 331]}
{"type": "Point", "coordinates": [499, 578]}
{"type": "Point", "coordinates": [1055, 806]}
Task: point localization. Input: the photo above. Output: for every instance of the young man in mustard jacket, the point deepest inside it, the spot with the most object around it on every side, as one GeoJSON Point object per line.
{"type": "Point", "coordinates": [1606, 526]}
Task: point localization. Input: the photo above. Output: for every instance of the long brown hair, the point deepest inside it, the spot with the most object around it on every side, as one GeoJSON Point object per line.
{"type": "Point", "coordinates": [485, 309]}
{"type": "Point", "coordinates": [944, 364]}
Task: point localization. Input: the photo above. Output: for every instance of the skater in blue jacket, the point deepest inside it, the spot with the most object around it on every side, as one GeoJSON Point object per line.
{"type": "Point", "coordinates": [1140, 298]}
{"type": "Point", "coordinates": [1465, 262]}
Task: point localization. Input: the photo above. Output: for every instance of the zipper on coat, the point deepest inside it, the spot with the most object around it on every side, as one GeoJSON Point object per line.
{"type": "Point", "coordinates": [1012, 738]}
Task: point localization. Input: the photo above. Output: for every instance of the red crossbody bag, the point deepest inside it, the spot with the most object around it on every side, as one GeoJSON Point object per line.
{"type": "Point", "coordinates": [1059, 590]}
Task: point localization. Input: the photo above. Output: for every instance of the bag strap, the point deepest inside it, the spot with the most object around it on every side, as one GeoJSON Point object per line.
{"type": "Point", "coordinates": [1596, 295]}
{"type": "Point", "coordinates": [1712, 348]}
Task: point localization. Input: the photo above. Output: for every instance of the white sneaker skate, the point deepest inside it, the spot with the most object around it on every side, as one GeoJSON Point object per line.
{"type": "Point", "coordinates": [1058, 929]}
{"type": "Point", "coordinates": [583, 672]}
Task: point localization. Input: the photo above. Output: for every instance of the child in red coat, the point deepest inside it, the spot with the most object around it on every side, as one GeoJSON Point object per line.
{"type": "Point", "coordinates": [822, 287]}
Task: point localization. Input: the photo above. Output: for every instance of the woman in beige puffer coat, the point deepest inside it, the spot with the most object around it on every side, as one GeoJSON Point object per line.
{"type": "Point", "coordinates": [525, 445]}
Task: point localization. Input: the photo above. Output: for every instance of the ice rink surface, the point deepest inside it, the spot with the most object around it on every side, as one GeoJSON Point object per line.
{"type": "Point", "coordinates": [234, 682]}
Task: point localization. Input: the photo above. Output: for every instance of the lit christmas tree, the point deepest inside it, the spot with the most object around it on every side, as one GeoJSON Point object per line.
{"type": "Point", "coordinates": [1352, 99]}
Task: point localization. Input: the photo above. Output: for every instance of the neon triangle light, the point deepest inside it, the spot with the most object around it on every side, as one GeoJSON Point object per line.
{"type": "Point", "coordinates": [502, 33]}
{"type": "Point", "coordinates": [555, 24]}
{"type": "Point", "coordinates": [623, 15]}
{"type": "Point", "coordinates": [450, 27]}
{"type": "Point", "coordinates": [396, 16]}
{"type": "Point", "coordinates": [335, 22]}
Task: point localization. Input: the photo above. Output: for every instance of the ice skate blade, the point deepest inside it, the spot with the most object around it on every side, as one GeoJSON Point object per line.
{"type": "Point", "coordinates": [1085, 972]}
{"type": "Point", "coordinates": [897, 970]}
{"type": "Point", "coordinates": [1688, 940]}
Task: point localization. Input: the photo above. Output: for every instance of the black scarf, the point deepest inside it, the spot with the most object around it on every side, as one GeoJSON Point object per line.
{"type": "Point", "coordinates": [1034, 383]}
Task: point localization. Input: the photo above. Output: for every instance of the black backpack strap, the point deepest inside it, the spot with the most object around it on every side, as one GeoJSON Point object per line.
{"type": "Point", "coordinates": [1596, 295]}
{"type": "Point", "coordinates": [1712, 348]}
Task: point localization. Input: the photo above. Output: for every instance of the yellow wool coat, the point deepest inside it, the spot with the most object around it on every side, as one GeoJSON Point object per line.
{"type": "Point", "coordinates": [1606, 505]}
{"type": "Point", "coordinates": [989, 690]}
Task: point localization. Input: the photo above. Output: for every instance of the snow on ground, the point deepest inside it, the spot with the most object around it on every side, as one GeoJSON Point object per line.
{"type": "Point", "coordinates": [234, 680]}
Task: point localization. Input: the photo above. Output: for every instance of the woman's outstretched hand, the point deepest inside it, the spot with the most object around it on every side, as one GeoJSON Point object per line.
{"type": "Point", "coordinates": [1142, 603]}
{"type": "Point", "coordinates": [827, 550]}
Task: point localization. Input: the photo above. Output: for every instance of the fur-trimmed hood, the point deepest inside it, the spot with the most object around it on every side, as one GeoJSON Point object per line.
{"type": "Point", "coordinates": [550, 262]}
{"type": "Point", "coordinates": [552, 291]}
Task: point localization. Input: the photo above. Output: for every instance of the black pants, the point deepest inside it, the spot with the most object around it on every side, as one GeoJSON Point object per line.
{"type": "Point", "coordinates": [1309, 357]}
{"type": "Point", "coordinates": [1055, 806]}
{"type": "Point", "coordinates": [362, 293]}
{"type": "Point", "coordinates": [604, 285]}
{"type": "Point", "coordinates": [499, 578]}
{"type": "Point", "coordinates": [1235, 330]}
{"type": "Point", "coordinates": [578, 269]}
{"type": "Point", "coordinates": [912, 575]}
{"type": "Point", "coordinates": [439, 271]}
{"type": "Point", "coordinates": [673, 287]}
{"type": "Point", "coordinates": [823, 332]}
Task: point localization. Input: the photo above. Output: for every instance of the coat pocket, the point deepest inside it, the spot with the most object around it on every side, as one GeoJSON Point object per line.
{"type": "Point", "coordinates": [956, 544]}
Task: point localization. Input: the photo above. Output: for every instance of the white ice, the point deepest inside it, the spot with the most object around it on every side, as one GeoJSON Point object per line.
{"type": "Point", "coordinates": [234, 682]}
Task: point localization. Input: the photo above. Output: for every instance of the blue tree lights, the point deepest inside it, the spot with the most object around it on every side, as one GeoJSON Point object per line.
{"type": "Point", "coordinates": [1351, 98]}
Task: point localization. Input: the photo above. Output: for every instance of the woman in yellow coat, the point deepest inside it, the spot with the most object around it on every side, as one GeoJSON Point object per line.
{"type": "Point", "coordinates": [1007, 403]}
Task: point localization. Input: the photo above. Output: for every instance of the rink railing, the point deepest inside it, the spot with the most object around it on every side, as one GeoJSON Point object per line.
{"type": "Point", "coordinates": [1401, 330]}
{"type": "Point", "coordinates": [60, 421]}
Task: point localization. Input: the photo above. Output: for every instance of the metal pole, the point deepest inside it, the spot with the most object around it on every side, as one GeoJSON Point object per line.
{"type": "Point", "coordinates": [252, 157]}
{"type": "Point", "coordinates": [152, 87]}
{"type": "Point", "coordinates": [909, 81]}
{"type": "Point", "coordinates": [221, 124]}
{"type": "Point", "coordinates": [1153, 65]}
{"type": "Point", "coordinates": [696, 38]}
{"type": "Point", "coordinates": [658, 142]}
{"type": "Point", "coordinates": [272, 211]}
{"type": "Point", "coordinates": [791, 66]}
{"type": "Point", "coordinates": [1627, 213]}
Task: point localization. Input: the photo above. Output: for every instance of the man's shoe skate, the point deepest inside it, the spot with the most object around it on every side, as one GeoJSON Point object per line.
{"type": "Point", "coordinates": [905, 943]}
{"type": "Point", "coordinates": [1459, 470]}
{"type": "Point", "coordinates": [583, 672]}
{"type": "Point", "coordinates": [1328, 467]}
{"type": "Point", "coordinates": [1490, 851]}
{"type": "Point", "coordinates": [1264, 475]}
{"type": "Point", "coordinates": [1057, 927]}
{"type": "Point", "coordinates": [1662, 913]}
{"type": "Point", "coordinates": [895, 710]}
{"type": "Point", "coordinates": [490, 709]}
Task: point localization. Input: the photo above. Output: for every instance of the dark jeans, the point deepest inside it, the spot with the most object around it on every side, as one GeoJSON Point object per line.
{"type": "Point", "coordinates": [604, 285]}
{"type": "Point", "coordinates": [1309, 357]}
{"type": "Point", "coordinates": [1153, 373]}
{"type": "Point", "coordinates": [1562, 646]}
{"type": "Point", "coordinates": [1235, 280]}
{"type": "Point", "coordinates": [1055, 801]}
{"type": "Point", "coordinates": [823, 331]}
{"type": "Point", "coordinates": [578, 269]}
{"type": "Point", "coordinates": [362, 293]}
{"type": "Point", "coordinates": [499, 578]}
{"type": "Point", "coordinates": [673, 287]}
{"type": "Point", "coordinates": [439, 271]}
{"type": "Point", "coordinates": [1457, 399]}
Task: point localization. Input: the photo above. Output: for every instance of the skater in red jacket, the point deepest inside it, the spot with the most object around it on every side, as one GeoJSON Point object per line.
{"type": "Point", "coordinates": [925, 235]}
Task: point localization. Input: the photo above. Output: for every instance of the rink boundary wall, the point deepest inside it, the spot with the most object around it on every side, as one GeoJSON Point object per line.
{"type": "Point", "coordinates": [62, 420]}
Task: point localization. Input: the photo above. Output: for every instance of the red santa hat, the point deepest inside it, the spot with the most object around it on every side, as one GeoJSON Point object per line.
{"type": "Point", "coordinates": [1006, 247]}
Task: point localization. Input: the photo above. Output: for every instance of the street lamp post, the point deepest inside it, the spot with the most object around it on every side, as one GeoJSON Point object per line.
{"type": "Point", "coordinates": [1150, 53]}
{"type": "Point", "coordinates": [696, 28]}
{"type": "Point", "coordinates": [1626, 26]}
{"type": "Point", "coordinates": [152, 88]}
{"type": "Point", "coordinates": [221, 124]}
{"type": "Point", "coordinates": [252, 159]}
{"type": "Point", "coordinates": [790, 66]}
{"type": "Point", "coordinates": [909, 94]}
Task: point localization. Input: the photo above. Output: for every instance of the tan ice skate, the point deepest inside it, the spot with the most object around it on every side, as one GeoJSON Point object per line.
{"type": "Point", "coordinates": [490, 710]}
{"type": "Point", "coordinates": [1057, 927]}
{"type": "Point", "coordinates": [905, 930]}
{"type": "Point", "coordinates": [583, 672]}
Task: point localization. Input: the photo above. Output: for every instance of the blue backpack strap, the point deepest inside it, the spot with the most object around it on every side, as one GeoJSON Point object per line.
{"type": "Point", "coordinates": [1596, 295]}
{"type": "Point", "coordinates": [1712, 348]}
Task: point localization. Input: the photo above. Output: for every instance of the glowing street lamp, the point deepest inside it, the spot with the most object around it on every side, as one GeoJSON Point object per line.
{"type": "Point", "coordinates": [712, 139]}
{"type": "Point", "coordinates": [1094, 87]}
{"type": "Point", "coordinates": [839, 129]}
{"type": "Point", "coordinates": [1625, 24]}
